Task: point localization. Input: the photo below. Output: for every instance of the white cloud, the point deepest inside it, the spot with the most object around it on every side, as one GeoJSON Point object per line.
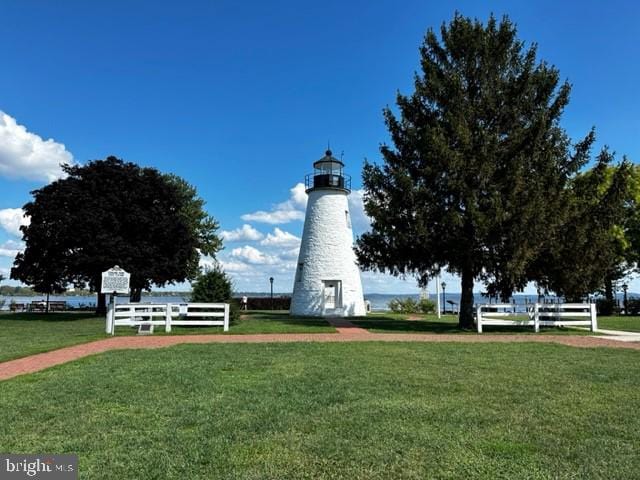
{"type": "Point", "coordinates": [11, 219]}
{"type": "Point", "coordinates": [291, 253]}
{"type": "Point", "coordinates": [360, 221]}
{"type": "Point", "coordinates": [26, 155]}
{"type": "Point", "coordinates": [299, 196]}
{"type": "Point", "coordinates": [246, 232]}
{"type": "Point", "coordinates": [280, 238]}
{"type": "Point", "coordinates": [252, 255]}
{"type": "Point", "coordinates": [274, 216]}
{"type": "Point", "coordinates": [11, 248]}
{"type": "Point", "coordinates": [285, 212]}
{"type": "Point", "coordinates": [235, 266]}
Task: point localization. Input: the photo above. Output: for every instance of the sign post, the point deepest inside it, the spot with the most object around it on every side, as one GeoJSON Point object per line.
{"type": "Point", "coordinates": [114, 281]}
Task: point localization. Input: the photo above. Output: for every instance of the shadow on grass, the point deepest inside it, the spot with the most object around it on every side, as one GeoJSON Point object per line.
{"type": "Point", "coordinates": [49, 317]}
{"type": "Point", "coordinates": [282, 316]}
{"type": "Point", "coordinates": [384, 324]}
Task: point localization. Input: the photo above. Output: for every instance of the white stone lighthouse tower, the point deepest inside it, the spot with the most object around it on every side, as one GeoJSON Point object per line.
{"type": "Point", "coordinates": [327, 281]}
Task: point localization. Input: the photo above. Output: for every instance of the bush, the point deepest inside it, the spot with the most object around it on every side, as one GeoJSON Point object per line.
{"type": "Point", "coordinates": [404, 305]}
{"type": "Point", "coordinates": [427, 306]}
{"type": "Point", "coordinates": [264, 303]}
{"type": "Point", "coordinates": [606, 307]}
{"type": "Point", "coordinates": [214, 286]}
{"type": "Point", "coordinates": [633, 306]}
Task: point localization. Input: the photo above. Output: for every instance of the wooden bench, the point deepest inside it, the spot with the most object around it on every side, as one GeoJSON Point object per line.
{"type": "Point", "coordinates": [16, 307]}
{"type": "Point", "coordinates": [41, 306]}
{"type": "Point", "coordinates": [57, 306]}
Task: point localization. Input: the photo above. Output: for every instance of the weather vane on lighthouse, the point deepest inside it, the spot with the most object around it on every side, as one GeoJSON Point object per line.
{"type": "Point", "coordinates": [327, 281]}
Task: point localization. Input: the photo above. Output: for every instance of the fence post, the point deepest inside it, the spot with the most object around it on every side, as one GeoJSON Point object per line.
{"type": "Point", "coordinates": [536, 317]}
{"type": "Point", "coordinates": [479, 318]}
{"type": "Point", "coordinates": [109, 318]}
{"type": "Point", "coordinates": [226, 317]}
{"type": "Point", "coordinates": [167, 318]}
{"type": "Point", "coordinates": [594, 317]}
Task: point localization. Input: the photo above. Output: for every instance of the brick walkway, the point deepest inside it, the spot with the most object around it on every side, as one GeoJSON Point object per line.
{"type": "Point", "coordinates": [347, 332]}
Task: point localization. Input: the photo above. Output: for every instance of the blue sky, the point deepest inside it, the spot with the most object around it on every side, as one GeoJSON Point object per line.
{"type": "Point", "coordinates": [240, 98]}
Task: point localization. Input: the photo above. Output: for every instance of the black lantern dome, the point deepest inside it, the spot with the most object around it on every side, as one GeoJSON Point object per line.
{"type": "Point", "coordinates": [328, 174]}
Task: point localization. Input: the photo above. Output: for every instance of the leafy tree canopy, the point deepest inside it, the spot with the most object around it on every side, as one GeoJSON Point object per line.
{"type": "Point", "coordinates": [592, 249]}
{"type": "Point", "coordinates": [110, 212]}
{"type": "Point", "coordinates": [474, 180]}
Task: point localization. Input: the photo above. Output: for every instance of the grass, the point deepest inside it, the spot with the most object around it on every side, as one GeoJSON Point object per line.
{"type": "Point", "coordinates": [629, 324]}
{"type": "Point", "coordinates": [326, 411]}
{"type": "Point", "coordinates": [23, 334]}
{"type": "Point", "coordinates": [399, 323]}
{"type": "Point", "coordinates": [251, 322]}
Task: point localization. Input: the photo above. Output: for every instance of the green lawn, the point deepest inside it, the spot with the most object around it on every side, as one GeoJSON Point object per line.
{"type": "Point", "coordinates": [398, 323]}
{"type": "Point", "coordinates": [321, 411]}
{"type": "Point", "coordinates": [630, 324]}
{"type": "Point", "coordinates": [23, 334]}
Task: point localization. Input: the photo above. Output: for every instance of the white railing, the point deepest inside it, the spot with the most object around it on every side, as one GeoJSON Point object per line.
{"type": "Point", "coordinates": [167, 314]}
{"type": "Point", "coordinates": [537, 314]}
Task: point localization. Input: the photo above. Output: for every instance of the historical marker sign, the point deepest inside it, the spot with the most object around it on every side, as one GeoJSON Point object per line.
{"type": "Point", "coordinates": [115, 280]}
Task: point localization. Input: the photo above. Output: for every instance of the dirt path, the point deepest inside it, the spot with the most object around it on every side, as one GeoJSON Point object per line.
{"type": "Point", "coordinates": [347, 332]}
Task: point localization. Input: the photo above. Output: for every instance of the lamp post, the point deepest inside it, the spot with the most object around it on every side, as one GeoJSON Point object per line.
{"type": "Point", "coordinates": [271, 282]}
{"type": "Point", "coordinates": [444, 297]}
{"type": "Point", "coordinates": [625, 287]}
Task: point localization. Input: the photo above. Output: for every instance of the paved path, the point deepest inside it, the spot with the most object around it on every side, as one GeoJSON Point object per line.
{"type": "Point", "coordinates": [617, 335]}
{"type": "Point", "coordinates": [346, 333]}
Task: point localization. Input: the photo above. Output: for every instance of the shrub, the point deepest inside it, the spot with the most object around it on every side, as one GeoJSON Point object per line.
{"type": "Point", "coordinates": [404, 305]}
{"type": "Point", "coordinates": [214, 286]}
{"type": "Point", "coordinates": [633, 306]}
{"type": "Point", "coordinates": [264, 303]}
{"type": "Point", "coordinates": [427, 306]}
{"type": "Point", "coordinates": [606, 307]}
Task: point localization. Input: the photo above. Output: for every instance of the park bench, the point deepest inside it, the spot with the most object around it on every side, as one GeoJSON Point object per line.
{"type": "Point", "coordinates": [57, 306]}
{"type": "Point", "coordinates": [41, 306]}
{"type": "Point", "coordinates": [16, 307]}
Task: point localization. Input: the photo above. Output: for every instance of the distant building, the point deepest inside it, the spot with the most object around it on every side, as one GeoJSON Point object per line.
{"type": "Point", "coordinates": [327, 281]}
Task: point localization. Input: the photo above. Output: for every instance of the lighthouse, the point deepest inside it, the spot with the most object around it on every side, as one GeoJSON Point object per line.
{"type": "Point", "coordinates": [327, 280]}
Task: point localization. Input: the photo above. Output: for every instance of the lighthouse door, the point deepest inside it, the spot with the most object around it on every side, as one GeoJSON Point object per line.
{"type": "Point", "coordinates": [332, 294]}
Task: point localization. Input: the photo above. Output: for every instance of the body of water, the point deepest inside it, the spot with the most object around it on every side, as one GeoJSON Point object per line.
{"type": "Point", "coordinates": [379, 302]}
{"type": "Point", "coordinates": [81, 301]}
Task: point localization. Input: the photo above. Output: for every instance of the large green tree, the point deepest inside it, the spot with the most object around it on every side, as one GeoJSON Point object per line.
{"type": "Point", "coordinates": [110, 212]}
{"type": "Point", "coordinates": [592, 250]}
{"type": "Point", "coordinates": [473, 182]}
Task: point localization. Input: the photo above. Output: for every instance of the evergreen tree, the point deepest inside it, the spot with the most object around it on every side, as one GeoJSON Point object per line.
{"type": "Point", "coordinates": [475, 178]}
{"type": "Point", "coordinates": [592, 250]}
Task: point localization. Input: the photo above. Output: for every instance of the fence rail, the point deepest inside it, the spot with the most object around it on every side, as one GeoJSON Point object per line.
{"type": "Point", "coordinates": [552, 315]}
{"type": "Point", "coordinates": [167, 314]}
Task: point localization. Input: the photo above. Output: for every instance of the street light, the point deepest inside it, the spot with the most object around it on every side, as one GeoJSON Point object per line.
{"type": "Point", "coordinates": [444, 298]}
{"type": "Point", "coordinates": [271, 281]}
{"type": "Point", "coordinates": [625, 287]}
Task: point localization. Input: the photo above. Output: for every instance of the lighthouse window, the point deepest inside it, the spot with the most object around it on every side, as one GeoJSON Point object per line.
{"type": "Point", "coordinates": [348, 219]}
{"type": "Point", "coordinates": [299, 272]}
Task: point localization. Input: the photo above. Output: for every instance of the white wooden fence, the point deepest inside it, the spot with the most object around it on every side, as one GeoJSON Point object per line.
{"type": "Point", "coordinates": [555, 315]}
{"type": "Point", "coordinates": [169, 314]}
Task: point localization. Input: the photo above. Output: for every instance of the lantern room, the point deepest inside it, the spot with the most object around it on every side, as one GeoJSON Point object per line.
{"type": "Point", "coordinates": [328, 173]}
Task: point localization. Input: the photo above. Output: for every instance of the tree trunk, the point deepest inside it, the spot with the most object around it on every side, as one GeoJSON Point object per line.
{"type": "Point", "coordinates": [136, 294]}
{"type": "Point", "coordinates": [465, 319]}
{"type": "Point", "coordinates": [101, 308]}
{"type": "Point", "coordinates": [47, 307]}
{"type": "Point", "coordinates": [608, 289]}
